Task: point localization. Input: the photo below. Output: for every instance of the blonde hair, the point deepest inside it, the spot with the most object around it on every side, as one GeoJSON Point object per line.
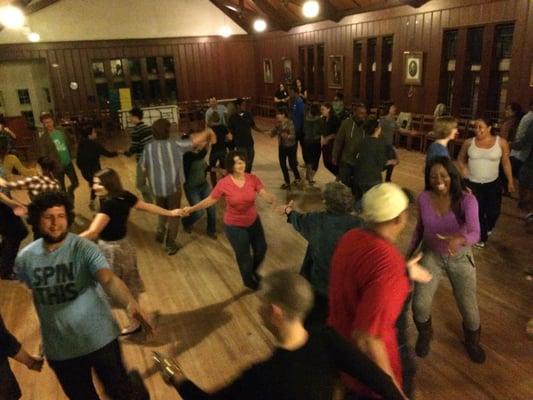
{"type": "Point", "coordinates": [443, 126]}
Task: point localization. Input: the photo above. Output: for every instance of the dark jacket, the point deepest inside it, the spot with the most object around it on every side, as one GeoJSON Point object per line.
{"type": "Point", "coordinates": [348, 141]}
{"type": "Point", "coordinates": [88, 157]}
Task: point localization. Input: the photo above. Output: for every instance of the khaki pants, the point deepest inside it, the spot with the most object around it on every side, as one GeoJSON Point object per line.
{"type": "Point", "coordinates": [169, 224]}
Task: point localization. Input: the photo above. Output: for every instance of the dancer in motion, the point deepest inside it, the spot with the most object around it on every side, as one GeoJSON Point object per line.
{"type": "Point", "coordinates": [242, 223]}
{"type": "Point", "coordinates": [110, 228]}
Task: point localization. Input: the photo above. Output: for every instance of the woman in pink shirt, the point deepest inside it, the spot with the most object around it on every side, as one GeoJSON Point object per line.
{"type": "Point", "coordinates": [241, 221]}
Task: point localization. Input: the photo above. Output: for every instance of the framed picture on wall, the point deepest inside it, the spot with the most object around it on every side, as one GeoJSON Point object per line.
{"type": "Point", "coordinates": [268, 73]}
{"type": "Point", "coordinates": [98, 69]}
{"type": "Point", "coordinates": [336, 72]}
{"type": "Point", "coordinates": [413, 67]}
{"type": "Point", "coordinates": [287, 70]}
{"type": "Point", "coordinates": [116, 68]}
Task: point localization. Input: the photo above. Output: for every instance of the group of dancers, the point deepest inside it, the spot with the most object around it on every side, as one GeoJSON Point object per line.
{"type": "Point", "coordinates": [353, 278]}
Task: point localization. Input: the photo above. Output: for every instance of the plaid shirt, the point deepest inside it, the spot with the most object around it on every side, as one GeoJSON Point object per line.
{"type": "Point", "coordinates": [35, 184]}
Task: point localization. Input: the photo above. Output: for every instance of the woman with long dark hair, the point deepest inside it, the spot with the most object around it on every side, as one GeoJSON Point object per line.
{"type": "Point", "coordinates": [109, 226]}
{"type": "Point", "coordinates": [479, 159]}
{"type": "Point", "coordinates": [242, 224]}
{"type": "Point", "coordinates": [446, 229]}
{"type": "Point", "coordinates": [300, 89]}
{"type": "Point", "coordinates": [332, 126]}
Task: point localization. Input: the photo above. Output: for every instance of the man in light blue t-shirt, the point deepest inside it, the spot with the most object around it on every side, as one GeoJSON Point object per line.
{"type": "Point", "coordinates": [79, 333]}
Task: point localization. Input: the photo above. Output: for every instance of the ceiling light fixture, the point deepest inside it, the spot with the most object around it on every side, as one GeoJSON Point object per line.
{"type": "Point", "coordinates": [311, 9]}
{"type": "Point", "coordinates": [225, 31]}
{"type": "Point", "coordinates": [34, 37]}
{"type": "Point", "coordinates": [12, 17]}
{"type": "Point", "coordinates": [232, 8]}
{"type": "Point", "coordinates": [260, 25]}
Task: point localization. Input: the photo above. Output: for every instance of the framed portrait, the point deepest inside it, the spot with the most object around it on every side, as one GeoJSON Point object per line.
{"type": "Point", "coordinates": [268, 73]}
{"type": "Point", "coordinates": [98, 69]}
{"type": "Point", "coordinates": [413, 67]}
{"type": "Point", "coordinates": [116, 68]}
{"type": "Point", "coordinates": [287, 70]}
{"type": "Point", "coordinates": [336, 72]}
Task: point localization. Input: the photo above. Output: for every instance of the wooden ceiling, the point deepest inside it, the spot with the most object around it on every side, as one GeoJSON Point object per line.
{"type": "Point", "coordinates": [286, 14]}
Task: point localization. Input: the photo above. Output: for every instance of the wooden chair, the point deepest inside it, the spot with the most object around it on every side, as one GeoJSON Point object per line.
{"type": "Point", "coordinates": [414, 132]}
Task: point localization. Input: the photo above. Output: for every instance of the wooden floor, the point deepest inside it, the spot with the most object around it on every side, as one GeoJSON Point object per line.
{"type": "Point", "coordinates": [212, 327]}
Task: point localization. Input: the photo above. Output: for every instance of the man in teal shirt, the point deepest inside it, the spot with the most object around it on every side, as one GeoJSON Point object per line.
{"type": "Point", "coordinates": [55, 145]}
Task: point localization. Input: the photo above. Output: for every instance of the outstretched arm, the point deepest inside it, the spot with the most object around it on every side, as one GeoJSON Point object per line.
{"type": "Point", "coordinates": [119, 292]}
{"type": "Point", "coordinates": [98, 224]}
{"type": "Point", "coordinates": [205, 203]}
{"type": "Point", "coordinates": [153, 209]}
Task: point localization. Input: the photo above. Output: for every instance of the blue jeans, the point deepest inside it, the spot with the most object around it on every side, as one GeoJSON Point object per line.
{"type": "Point", "coordinates": [250, 247]}
{"type": "Point", "coordinates": [195, 195]}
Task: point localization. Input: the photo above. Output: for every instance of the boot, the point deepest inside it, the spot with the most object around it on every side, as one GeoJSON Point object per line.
{"type": "Point", "coordinates": [425, 334]}
{"type": "Point", "coordinates": [474, 350]}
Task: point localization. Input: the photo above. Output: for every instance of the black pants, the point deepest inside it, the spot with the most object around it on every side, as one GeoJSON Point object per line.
{"type": "Point", "coordinates": [347, 174]}
{"type": "Point", "coordinates": [88, 175]}
{"type": "Point", "coordinates": [71, 173]}
{"type": "Point", "coordinates": [319, 313]}
{"type": "Point", "coordinates": [288, 153]}
{"type": "Point", "coordinates": [489, 198]}
{"type": "Point", "coordinates": [13, 231]}
{"type": "Point", "coordinates": [75, 378]}
{"type": "Point", "coordinates": [249, 245]}
{"type": "Point", "coordinates": [311, 154]}
{"type": "Point", "coordinates": [390, 154]}
{"type": "Point", "coordinates": [250, 155]}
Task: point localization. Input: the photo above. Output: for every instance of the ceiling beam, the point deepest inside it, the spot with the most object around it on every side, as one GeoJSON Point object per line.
{"type": "Point", "coordinates": [34, 7]}
{"type": "Point", "coordinates": [329, 11]}
{"type": "Point", "coordinates": [236, 17]}
{"type": "Point", "coordinates": [384, 5]}
{"type": "Point", "coordinates": [272, 14]}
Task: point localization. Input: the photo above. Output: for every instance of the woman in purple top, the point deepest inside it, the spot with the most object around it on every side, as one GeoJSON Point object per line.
{"type": "Point", "coordinates": [447, 227]}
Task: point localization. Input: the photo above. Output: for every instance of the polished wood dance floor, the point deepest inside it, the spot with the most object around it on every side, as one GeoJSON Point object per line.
{"type": "Point", "coordinates": [210, 323]}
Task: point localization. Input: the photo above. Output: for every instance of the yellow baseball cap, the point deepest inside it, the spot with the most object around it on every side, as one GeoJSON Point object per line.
{"type": "Point", "coordinates": [384, 202]}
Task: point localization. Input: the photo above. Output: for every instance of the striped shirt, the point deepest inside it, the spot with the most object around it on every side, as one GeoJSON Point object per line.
{"type": "Point", "coordinates": [35, 185]}
{"type": "Point", "coordinates": [140, 137]}
{"type": "Point", "coordinates": [163, 162]}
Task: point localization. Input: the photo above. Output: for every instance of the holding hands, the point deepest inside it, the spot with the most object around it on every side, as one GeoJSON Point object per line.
{"type": "Point", "coordinates": [285, 209]}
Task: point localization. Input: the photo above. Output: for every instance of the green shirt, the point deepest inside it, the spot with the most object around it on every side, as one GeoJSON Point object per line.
{"type": "Point", "coordinates": [58, 138]}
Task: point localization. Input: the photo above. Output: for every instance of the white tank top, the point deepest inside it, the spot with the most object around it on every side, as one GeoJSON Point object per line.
{"type": "Point", "coordinates": [483, 164]}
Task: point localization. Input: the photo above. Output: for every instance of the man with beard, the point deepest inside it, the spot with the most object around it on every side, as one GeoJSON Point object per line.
{"type": "Point", "coordinates": [78, 331]}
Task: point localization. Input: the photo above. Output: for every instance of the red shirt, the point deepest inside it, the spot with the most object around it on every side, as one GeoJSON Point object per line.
{"type": "Point", "coordinates": [368, 286]}
{"type": "Point", "coordinates": [240, 201]}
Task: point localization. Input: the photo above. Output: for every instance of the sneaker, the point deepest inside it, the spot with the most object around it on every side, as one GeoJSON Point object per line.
{"type": "Point", "coordinates": [172, 249]}
{"type": "Point", "coordinates": [160, 237]}
{"type": "Point", "coordinates": [285, 186]}
{"type": "Point", "coordinates": [489, 233]}
{"type": "Point", "coordinates": [480, 245]}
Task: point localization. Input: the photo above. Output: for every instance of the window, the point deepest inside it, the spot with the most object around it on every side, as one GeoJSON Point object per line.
{"type": "Point", "coordinates": [474, 46]}
{"type": "Point", "coordinates": [357, 68]}
{"type": "Point", "coordinates": [386, 68]}
{"type": "Point", "coordinates": [102, 92]}
{"type": "Point", "coordinates": [370, 71]}
{"type": "Point", "coordinates": [312, 68]}
{"type": "Point", "coordinates": [24, 96]}
{"type": "Point", "coordinates": [499, 79]}
{"type": "Point", "coordinates": [168, 65]}
{"type": "Point", "coordinates": [134, 66]}
{"type": "Point", "coordinates": [155, 90]}
{"type": "Point", "coordinates": [310, 78]}
{"type": "Point", "coordinates": [151, 65]}
{"type": "Point", "coordinates": [320, 76]}
{"type": "Point", "coordinates": [170, 89]}
{"type": "Point", "coordinates": [448, 68]}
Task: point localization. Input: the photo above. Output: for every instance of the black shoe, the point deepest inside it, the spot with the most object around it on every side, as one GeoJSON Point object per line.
{"type": "Point", "coordinates": [425, 334]}
{"type": "Point", "coordinates": [172, 249]}
{"type": "Point", "coordinates": [473, 348]}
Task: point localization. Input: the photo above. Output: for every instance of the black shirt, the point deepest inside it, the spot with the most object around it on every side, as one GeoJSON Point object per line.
{"type": "Point", "coordinates": [89, 152]}
{"type": "Point", "coordinates": [220, 131]}
{"type": "Point", "coordinates": [9, 346]}
{"type": "Point", "coordinates": [118, 209]}
{"type": "Point", "coordinates": [282, 95]}
{"type": "Point", "coordinates": [308, 373]}
{"type": "Point", "coordinates": [240, 125]}
{"type": "Point", "coordinates": [332, 124]}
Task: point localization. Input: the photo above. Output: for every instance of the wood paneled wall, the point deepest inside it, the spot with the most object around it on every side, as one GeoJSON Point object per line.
{"type": "Point", "coordinates": [413, 29]}
{"type": "Point", "coordinates": [204, 66]}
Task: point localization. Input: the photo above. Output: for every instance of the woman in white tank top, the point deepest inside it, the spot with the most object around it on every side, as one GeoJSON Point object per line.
{"type": "Point", "coordinates": [479, 161]}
